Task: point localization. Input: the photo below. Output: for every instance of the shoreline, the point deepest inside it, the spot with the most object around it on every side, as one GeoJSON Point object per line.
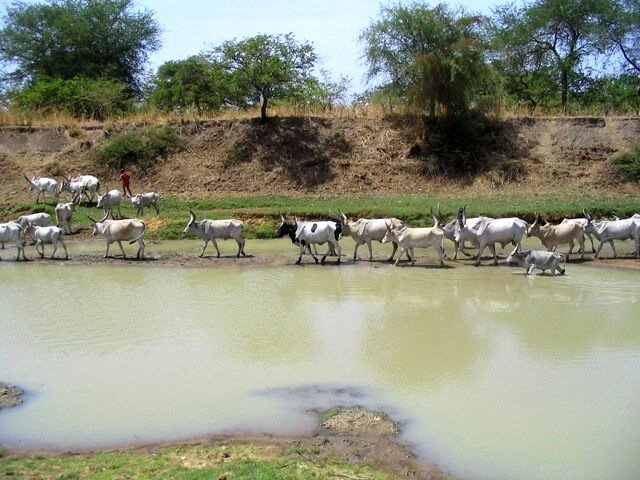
{"type": "Point", "coordinates": [354, 435]}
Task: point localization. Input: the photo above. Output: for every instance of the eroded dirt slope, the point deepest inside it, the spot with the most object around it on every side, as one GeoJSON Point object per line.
{"type": "Point", "coordinates": [336, 156]}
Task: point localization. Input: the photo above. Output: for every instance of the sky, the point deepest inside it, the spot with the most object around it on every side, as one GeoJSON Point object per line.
{"type": "Point", "coordinates": [331, 26]}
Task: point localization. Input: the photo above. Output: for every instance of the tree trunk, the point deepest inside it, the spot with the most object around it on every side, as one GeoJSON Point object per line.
{"type": "Point", "coordinates": [263, 109]}
{"type": "Point", "coordinates": [564, 89]}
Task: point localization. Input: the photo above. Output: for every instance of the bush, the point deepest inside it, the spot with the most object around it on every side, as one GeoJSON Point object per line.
{"type": "Point", "coordinates": [139, 148]}
{"type": "Point", "coordinates": [628, 164]}
{"type": "Point", "coordinates": [80, 97]}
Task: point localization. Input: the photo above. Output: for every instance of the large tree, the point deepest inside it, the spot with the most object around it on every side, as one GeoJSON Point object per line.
{"type": "Point", "coordinates": [552, 36]}
{"type": "Point", "coordinates": [431, 56]}
{"type": "Point", "coordinates": [64, 39]}
{"type": "Point", "coordinates": [192, 83]}
{"type": "Point", "coordinates": [267, 66]}
{"type": "Point", "coordinates": [624, 32]}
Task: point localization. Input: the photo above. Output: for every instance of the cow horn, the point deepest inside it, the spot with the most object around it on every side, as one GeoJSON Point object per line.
{"type": "Point", "coordinates": [283, 219]}
{"type": "Point", "coordinates": [193, 216]}
{"type": "Point", "coordinates": [586, 214]}
{"type": "Point", "coordinates": [92, 220]}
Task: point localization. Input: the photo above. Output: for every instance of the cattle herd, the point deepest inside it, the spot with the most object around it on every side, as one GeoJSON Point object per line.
{"type": "Point", "coordinates": [478, 232]}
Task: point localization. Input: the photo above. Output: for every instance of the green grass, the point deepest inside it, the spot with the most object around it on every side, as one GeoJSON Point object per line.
{"type": "Point", "coordinates": [262, 214]}
{"type": "Point", "coordinates": [188, 462]}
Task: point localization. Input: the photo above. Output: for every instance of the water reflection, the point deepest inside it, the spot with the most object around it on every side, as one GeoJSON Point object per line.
{"type": "Point", "coordinates": [466, 356]}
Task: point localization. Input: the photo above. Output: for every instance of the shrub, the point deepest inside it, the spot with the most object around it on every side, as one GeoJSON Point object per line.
{"type": "Point", "coordinates": [628, 163]}
{"type": "Point", "coordinates": [80, 97]}
{"type": "Point", "coordinates": [139, 148]}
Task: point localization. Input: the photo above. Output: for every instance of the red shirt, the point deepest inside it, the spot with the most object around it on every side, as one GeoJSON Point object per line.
{"type": "Point", "coordinates": [125, 179]}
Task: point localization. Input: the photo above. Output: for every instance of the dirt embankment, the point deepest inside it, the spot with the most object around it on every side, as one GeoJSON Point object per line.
{"type": "Point", "coordinates": [338, 156]}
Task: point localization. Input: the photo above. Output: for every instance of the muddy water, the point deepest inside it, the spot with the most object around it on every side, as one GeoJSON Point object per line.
{"type": "Point", "coordinates": [494, 375]}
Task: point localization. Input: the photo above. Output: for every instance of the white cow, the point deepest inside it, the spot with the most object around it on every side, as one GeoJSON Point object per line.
{"type": "Point", "coordinates": [532, 259]}
{"type": "Point", "coordinates": [64, 212]}
{"type": "Point", "coordinates": [109, 201]}
{"type": "Point", "coordinates": [130, 230]}
{"type": "Point", "coordinates": [583, 223]}
{"type": "Point", "coordinates": [553, 235]}
{"type": "Point", "coordinates": [409, 238]}
{"type": "Point", "coordinates": [450, 229]}
{"type": "Point", "coordinates": [307, 234]}
{"type": "Point", "coordinates": [47, 235]}
{"type": "Point", "coordinates": [44, 185]}
{"type": "Point", "coordinates": [142, 200]}
{"type": "Point", "coordinates": [91, 185]}
{"type": "Point", "coordinates": [366, 230]}
{"type": "Point", "coordinates": [75, 187]}
{"type": "Point", "coordinates": [488, 233]}
{"type": "Point", "coordinates": [210, 230]}
{"type": "Point", "coordinates": [610, 230]}
{"type": "Point", "coordinates": [10, 232]}
{"type": "Point", "coordinates": [41, 219]}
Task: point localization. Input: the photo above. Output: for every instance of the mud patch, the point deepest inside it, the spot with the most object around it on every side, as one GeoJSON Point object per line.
{"type": "Point", "coordinates": [10, 396]}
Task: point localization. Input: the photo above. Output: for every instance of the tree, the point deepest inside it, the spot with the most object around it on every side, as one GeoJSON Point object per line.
{"type": "Point", "coordinates": [192, 83]}
{"type": "Point", "coordinates": [431, 56]}
{"type": "Point", "coordinates": [64, 39]}
{"type": "Point", "coordinates": [554, 35]}
{"type": "Point", "coordinates": [624, 32]}
{"type": "Point", "coordinates": [266, 66]}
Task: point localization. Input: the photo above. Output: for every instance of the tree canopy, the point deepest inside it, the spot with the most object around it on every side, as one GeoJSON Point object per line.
{"type": "Point", "coordinates": [64, 39]}
{"type": "Point", "coordinates": [432, 56]}
{"type": "Point", "coordinates": [266, 66]}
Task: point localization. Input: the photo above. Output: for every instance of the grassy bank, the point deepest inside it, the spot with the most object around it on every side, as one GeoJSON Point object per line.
{"type": "Point", "coordinates": [185, 462]}
{"type": "Point", "coordinates": [261, 213]}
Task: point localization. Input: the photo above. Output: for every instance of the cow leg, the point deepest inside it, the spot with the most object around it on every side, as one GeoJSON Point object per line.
{"type": "Point", "coordinates": [206, 242]}
{"type": "Point", "coordinates": [530, 269]}
{"type": "Point", "coordinates": [241, 247]}
{"type": "Point", "coordinates": [395, 249]}
{"type": "Point", "coordinates": [215, 244]}
{"type": "Point", "coordinates": [481, 248]}
{"type": "Point", "coordinates": [106, 253]}
{"type": "Point", "coordinates": [156, 208]}
{"type": "Point", "coordinates": [124, 255]}
{"type": "Point", "coordinates": [370, 247]}
{"type": "Point", "coordinates": [66, 253]}
{"type": "Point", "coordinates": [140, 254]}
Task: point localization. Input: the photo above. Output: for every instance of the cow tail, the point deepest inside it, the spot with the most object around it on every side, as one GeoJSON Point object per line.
{"type": "Point", "coordinates": [144, 229]}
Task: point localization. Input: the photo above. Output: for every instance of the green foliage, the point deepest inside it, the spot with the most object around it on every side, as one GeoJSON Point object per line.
{"type": "Point", "coordinates": [141, 148]}
{"type": "Point", "coordinates": [195, 83]}
{"type": "Point", "coordinates": [266, 66]}
{"type": "Point", "coordinates": [628, 164]}
{"type": "Point", "coordinates": [78, 38]}
{"type": "Point", "coordinates": [547, 43]}
{"type": "Point", "coordinates": [432, 56]}
{"type": "Point", "coordinates": [81, 97]}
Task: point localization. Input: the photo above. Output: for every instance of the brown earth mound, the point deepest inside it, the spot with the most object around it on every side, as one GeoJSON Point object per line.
{"type": "Point", "coordinates": [338, 156]}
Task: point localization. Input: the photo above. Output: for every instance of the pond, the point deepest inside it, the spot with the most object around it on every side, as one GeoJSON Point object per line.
{"type": "Point", "coordinates": [494, 375]}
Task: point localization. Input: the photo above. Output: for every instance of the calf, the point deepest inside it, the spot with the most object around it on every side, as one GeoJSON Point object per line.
{"type": "Point", "coordinates": [365, 230]}
{"type": "Point", "coordinates": [583, 223]}
{"type": "Point", "coordinates": [210, 230]}
{"type": "Point", "coordinates": [118, 230]}
{"type": "Point", "coordinates": [64, 212]}
{"type": "Point", "coordinates": [10, 232]}
{"type": "Point", "coordinates": [38, 219]}
{"type": "Point", "coordinates": [142, 200]}
{"type": "Point", "coordinates": [109, 201]}
{"type": "Point", "coordinates": [532, 259]}
{"type": "Point", "coordinates": [409, 238]}
{"type": "Point", "coordinates": [47, 235]}
{"type": "Point", "coordinates": [553, 235]}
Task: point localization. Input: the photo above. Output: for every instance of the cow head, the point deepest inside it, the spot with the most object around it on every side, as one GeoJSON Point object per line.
{"type": "Point", "coordinates": [96, 225]}
{"type": "Point", "coordinates": [518, 257]}
{"type": "Point", "coordinates": [391, 235]}
{"type": "Point", "coordinates": [192, 225]}
{"type": "Point", "coordinates": [286, 228]}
